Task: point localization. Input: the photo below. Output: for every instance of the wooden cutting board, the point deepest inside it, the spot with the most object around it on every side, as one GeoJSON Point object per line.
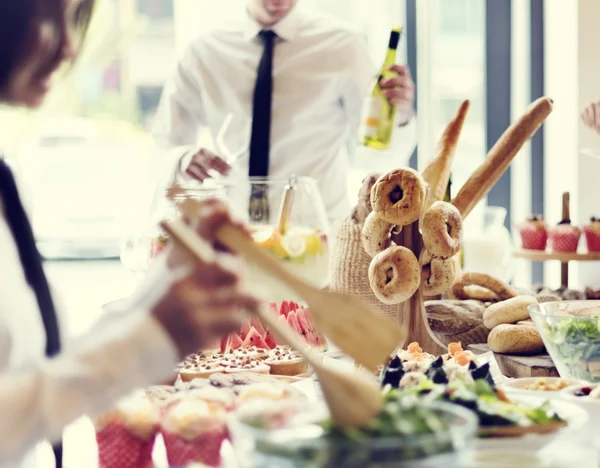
{"type": "Point", "coordinates": [520, 366]}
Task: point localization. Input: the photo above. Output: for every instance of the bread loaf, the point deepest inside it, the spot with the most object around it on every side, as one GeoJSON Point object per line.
{"type": "Point", "coordinates": [515, 339]}
{"type": "Point", "coordinates": [509, 311]}
{"type": "Point", "coordinates": [454, 317]}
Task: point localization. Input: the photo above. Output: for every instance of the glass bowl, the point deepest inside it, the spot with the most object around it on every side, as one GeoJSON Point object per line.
{"type": "Point", "coordinates": [571, 334]}
{"type": "Point", "coordinates": [304, 442]}
{"type": "Point", "coordinates": [300, 244]}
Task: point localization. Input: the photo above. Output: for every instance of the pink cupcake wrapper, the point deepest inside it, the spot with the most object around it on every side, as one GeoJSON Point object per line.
{"type": "Point", "coordinates": [204, 449]}
{"type": "Point", "coordinates": [534, 239]}
{"type": "Point", "coordinates": [118, 447]}
{"type": "Point", "coordinates": [592, 239]}
{"type": "Point", "coordinates": [565, 242]}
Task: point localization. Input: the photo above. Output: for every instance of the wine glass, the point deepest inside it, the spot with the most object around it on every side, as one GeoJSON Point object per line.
{"type": "Point", "coordinates": [302, 247]}
{"type": "Point", "coordinates": [233, 137]}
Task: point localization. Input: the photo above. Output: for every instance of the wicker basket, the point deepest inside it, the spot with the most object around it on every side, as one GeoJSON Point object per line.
{"type": "Point", "coordinates": [350, 266]}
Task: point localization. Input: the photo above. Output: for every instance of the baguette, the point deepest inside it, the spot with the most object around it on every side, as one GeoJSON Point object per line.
{"type": "Point", "coordinates": [437, 171]}
{"type": "Point", "coordinates": [501, 155]}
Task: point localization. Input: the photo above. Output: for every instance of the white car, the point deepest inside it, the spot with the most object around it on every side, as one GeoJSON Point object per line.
{"type": "Point", "coordinates": [86, 183]}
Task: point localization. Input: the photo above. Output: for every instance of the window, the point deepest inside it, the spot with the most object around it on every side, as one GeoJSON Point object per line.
{"type": "Point", "coordinates": [155, 9]}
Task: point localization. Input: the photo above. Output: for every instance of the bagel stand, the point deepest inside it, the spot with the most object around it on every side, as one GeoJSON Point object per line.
{"type": "Point", "coordinates": [563, 257]}
{"type": "Point", "coordinates": [413, 316]}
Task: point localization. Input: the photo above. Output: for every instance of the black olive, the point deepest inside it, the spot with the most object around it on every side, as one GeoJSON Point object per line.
{"type": "Point", "coordinates": [438, 363]}
{"type": "Point", "coordinates": [392, 377]}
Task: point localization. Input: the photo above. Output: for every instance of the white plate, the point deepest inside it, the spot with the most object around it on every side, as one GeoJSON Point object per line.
{"type": "Point", "coordinates": [518, 386]}
{"type": "Point", "coordinates": [575, 416]}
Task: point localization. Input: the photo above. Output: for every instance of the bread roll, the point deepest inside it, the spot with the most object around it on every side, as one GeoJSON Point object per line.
{"type": "Point", "coordinates": [509, 311]}
{"type": "Point", "coordinates": [515, 339]}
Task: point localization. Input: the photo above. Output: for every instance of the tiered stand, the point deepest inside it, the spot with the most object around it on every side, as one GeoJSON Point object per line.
{"type": "Point", "coordinates": [563, 257]}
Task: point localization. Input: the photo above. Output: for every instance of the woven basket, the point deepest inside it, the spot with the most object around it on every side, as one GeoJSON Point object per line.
{"type": "Point", "coordinates": [350, 267]}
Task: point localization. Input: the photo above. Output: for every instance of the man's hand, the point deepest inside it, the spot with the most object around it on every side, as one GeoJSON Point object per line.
{"type": "Point", "coordinates": [400, 92]}
{"type": "Point", "coordinates": [591, 116]}
{"type": "Point", "coordinates": [201, 163]}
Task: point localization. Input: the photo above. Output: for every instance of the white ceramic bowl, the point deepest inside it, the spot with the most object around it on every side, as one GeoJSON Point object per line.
{"type": "Point", "coordinates": [590, 405]}
{"type": "Point", "coordinates": [575, 416]}
{"type": "Point", "coordinates": [519, 386]}
{"type": "Point", "coordinates": [496, 458]}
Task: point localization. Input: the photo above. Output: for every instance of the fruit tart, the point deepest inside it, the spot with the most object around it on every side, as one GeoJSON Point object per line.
{"type": "Point", "coordinates": [534, 233]}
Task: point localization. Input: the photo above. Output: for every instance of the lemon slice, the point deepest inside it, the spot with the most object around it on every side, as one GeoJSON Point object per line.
{"type": "Point", "coordinates": [294, 245]}
{"type": "Point", "coordinates": [262, 236]}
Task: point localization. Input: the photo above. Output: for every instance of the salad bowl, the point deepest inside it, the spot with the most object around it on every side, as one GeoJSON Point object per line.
{"type": "Point", "coordinates": [571, 333]}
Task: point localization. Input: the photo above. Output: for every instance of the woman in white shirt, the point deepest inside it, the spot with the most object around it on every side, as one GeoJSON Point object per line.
{"type": "Point", "coordinates": [181, 307]}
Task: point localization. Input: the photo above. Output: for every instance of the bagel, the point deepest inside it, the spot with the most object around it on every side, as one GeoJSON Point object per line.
{"type": "Point", "coordinates": [394, 275]}
{"type": "Point", "coordinates": [515, 339]}
{"type": "Point", "coordinates": [442, 230]}
{"type": "Point", "coordinates": [437, 274]}
{"type": "Point", "coordinates": [376, 234]}
{"type": "Point", "coordinates": [498, 290]}
{"type": "Point", "coordinates": [363, 207]}
{"type": "Point", "coordinates": [398, 197]}
{"type": "Point", "coordinates": [510, 311]}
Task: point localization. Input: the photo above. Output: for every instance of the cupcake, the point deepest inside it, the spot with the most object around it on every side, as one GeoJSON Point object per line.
{"type": "Point", "coordinates": [592, 234]}
{"type": "Point", "coordinates": [193, 432]}
{"type": "Point", "coordinates": [534, 233]}
{"type": "Point", "coordinates": [125, 436]}
{"type": "Point", "coordinates": [564, 237]}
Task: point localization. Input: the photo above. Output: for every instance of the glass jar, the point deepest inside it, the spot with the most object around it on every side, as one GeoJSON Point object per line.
{"type": "Point", "coordinates": [489, 248]}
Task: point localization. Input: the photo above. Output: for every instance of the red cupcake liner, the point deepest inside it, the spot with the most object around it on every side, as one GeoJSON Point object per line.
{"type": "Point", "coordinates": [118, 447]}
{"type": "Point", "coordinates": [564, 242]}
{"type": "Point", "coordinates": [592, 239]}
{"type": "Point", "coordinates": [204, 449]}
{"type": "Point", "coordinates": [534, 239]}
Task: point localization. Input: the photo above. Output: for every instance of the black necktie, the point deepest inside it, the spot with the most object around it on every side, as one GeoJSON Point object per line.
{"type": "Point", "coordinates": [260, 140]}
{"type": "Point", "coordinates": [261, 113]}
{"type": "Point", "coordinates": [31, 261]}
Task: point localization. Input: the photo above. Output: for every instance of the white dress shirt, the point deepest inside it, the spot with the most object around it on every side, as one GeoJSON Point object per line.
{"type": "Point", "coordinates": [40, 396]}
{"type": "Point", "coordinates": [321, 73]}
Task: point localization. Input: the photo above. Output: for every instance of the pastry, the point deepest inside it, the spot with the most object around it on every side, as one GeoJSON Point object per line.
{"type": "Point", "coordinates": [508, 311]}
{"type": "Point", "coordinates": [363, 207]}
{"type": "Point", "coordinates": [125, 435]}
{"type": "Point", "coordinates": [398, 197]}
{"type": "Point", "coordinates": [283, 361]}
{"type": "Point", "coordinates": [501, 155]}
{"type": "Point", "coordinates": [564, 237]}
{"type": "Point", "coordinates": [234, 365]}
{"type": "Point", "coordinates": [534, 233]}
{"type": "Point", "coordinates": [193, 431]}
{"type": "Point", "coordinates": [442, 230]}
{"type": "Point", "coordinates": [592, 234]}
{"type": "Point", "coordinates": [189, 372]}
{"type": "Point", "coordinates": [499, 291]}
{"type": "Point", "coordinates": [376, 234]}
{"type": "Point", "coordinates": [437, 274]}
{"type": "Point", "coordinates": [437, 172]}
{"type": "Point", "coordinates": [591, 293]}
{"type": "Point", "coordinates": [515, 339]}
{"type": "Point", "coordinates": [394, 275]}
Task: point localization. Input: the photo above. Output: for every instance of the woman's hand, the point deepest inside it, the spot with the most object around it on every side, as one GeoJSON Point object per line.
{"type": "Point", "coordinates": [591, 116]}
{"type": "Point", "coordinates": [198, 303]}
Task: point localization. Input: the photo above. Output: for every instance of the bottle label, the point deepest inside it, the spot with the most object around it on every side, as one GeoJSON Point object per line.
{"type": "Point", "coordinates": [371, 115]}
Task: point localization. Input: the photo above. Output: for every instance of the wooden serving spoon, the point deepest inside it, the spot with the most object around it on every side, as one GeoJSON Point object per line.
{"type": "Point", "coordinates": [358, 331]}
{"type": "Point", "coordinates": [353, 398]}
{"type": "Point", "coordinates": [285, 210]}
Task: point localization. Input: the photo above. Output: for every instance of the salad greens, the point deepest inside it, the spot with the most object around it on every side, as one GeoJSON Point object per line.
{"type": "Point", "coordinates": [574, 345]}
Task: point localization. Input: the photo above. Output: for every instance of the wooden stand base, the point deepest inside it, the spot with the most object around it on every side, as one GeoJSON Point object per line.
{"type": "Point", "coordinates": [413, 316]}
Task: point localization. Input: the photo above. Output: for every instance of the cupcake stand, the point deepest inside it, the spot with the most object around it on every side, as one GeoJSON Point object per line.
{"type": "Point", "coordinates": [563, 257]}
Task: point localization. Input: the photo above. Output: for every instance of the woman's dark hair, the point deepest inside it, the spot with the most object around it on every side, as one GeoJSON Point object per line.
{"type": "Point", "coordinates": [17, 21]}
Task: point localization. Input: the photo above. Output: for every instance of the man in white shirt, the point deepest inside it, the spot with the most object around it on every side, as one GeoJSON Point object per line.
{"type": "Point", "coordinates": [315, 69]}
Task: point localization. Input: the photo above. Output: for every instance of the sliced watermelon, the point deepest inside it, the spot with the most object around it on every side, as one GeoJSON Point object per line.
{"type": "Point", "coordinates": [256, 323]}
{"type": "Point", "coordinates": [254, 339]}
{"type": "Point", "coordinates": [235, 341]}
{"type": "Point", "coordinates": [284, 308]}
{"type": "Point", "coordinates": [294, 305]}
{"type": "Point", "coordinates": [273, 308]}
{"type": "Point", "coordinates": [270, 340]}
{"type": "Point", "coordinates": [320, 339]}
{"type": "Point", "coordinates": [224, 342]}
{"type": "Point", "coordinates": [308, 331]}
{"type": "Point", "coordinates": [245, 329]}
{"type": "Point", "coordinates": [292, 320]}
